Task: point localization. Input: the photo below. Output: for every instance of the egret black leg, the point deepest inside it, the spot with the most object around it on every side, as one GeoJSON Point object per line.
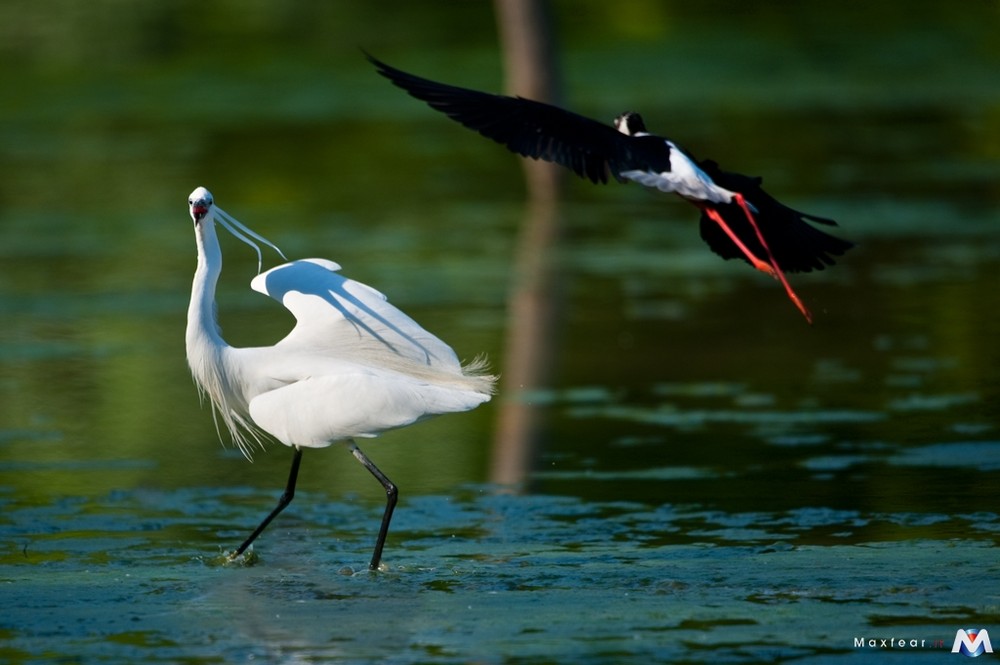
{"type": "Point", "coordinates": [283, 501]}
{"type": "Point", "coordinates": [391, 496]}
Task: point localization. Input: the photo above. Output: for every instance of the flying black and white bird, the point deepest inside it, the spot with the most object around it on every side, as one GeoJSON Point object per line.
{"type": "Point", "coordinates": [738, 218]}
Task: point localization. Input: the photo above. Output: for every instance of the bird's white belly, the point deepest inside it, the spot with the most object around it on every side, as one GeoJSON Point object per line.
{"type": "Point", "coordinates": [684, 179]}
{"type": "Point", "coordinates": [309, 400]}
{"type": "Point", "coordinates": [316, 411]}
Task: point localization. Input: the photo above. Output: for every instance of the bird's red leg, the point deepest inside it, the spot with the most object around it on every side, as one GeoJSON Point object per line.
{"type": "Point", "coordinates": [762, 266]}
{"type": "Point", "coordinates": [774, 264]}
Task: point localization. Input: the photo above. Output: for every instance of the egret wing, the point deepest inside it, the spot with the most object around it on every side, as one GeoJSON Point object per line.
{"type": "Point", "coordinates": [337, 316]}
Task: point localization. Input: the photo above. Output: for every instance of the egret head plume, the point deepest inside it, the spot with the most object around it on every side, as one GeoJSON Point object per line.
{"type": "Point", "coordinates": [203, 205]}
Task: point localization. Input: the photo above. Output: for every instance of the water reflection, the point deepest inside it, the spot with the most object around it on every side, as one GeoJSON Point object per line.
{"type": "Point", "coordinates": [534, 306]}
{"type": "Point", "coordinates": [530, 350]}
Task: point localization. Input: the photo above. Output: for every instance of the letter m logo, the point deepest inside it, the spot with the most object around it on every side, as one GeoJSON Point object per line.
{"type": "Point", "coordinates": [972, 642]}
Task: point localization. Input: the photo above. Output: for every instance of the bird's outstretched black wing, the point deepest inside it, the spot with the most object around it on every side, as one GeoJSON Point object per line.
{"type": "Point", "coordinates": [533, 129]}
{"type": "Point", "coordinates": [797, 245]}
{"type": "Point", "coordinates": [595, 151]}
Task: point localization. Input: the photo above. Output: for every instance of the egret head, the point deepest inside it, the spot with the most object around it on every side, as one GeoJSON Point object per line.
{"type": "Point", "coordinates": [201, 203]}
{"type": "Point", "coordinates": [630, 123]}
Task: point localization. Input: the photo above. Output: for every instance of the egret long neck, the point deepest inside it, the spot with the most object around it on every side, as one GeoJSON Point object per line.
{"type": "Point", "coordinates": [202, 327]}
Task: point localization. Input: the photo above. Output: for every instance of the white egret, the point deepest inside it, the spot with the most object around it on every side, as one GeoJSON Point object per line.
{"type": "Point", "coordinates": [353, 366]}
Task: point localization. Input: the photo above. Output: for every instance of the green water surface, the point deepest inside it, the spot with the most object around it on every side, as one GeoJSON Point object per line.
{"type": "Point", "coordinates": [711, 479]}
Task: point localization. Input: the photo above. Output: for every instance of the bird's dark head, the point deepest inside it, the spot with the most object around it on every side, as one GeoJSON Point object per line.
{"type": "Point", "coordinates": [630, 123]}
{"type": "Point", "coordinates": [200, 203]}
